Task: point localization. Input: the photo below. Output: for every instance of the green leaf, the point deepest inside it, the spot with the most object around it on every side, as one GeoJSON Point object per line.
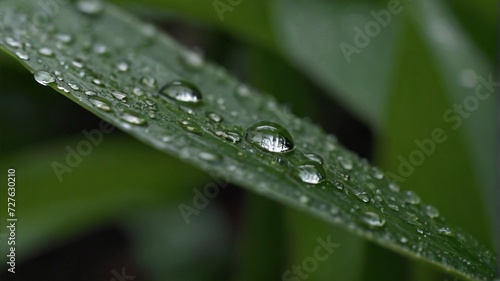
{"type": "Point", "coordinates": [126, 77]}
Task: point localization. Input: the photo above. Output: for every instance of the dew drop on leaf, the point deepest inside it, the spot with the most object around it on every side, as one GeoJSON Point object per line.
{"type": "Point", "coordinates": [132, 117]}
{"type": "Point", "coordinates": [209, 157]}
{"type": "Point", "coordinates": [149, 81]}
{"type": "Point", "coordinates": [192, 60]}
{"type": "Point", "coordinates": [411, 197]}
{"type": "Point", "coordinates": [44, 77]}
{"type": "Point", "coordinates": [431, 211]}
{"type": "Point", "coordinates": [233, 137]}
{"type": "Point", "coordinates": [90, 7]}
{"type": "Point", "coordinates": [182, 92]}
{"type": "Point", "coordinates": [46, 52]}
{"type": "Point", "coordinates": [22, 55]}
{"type": "Point", "coordinates": [100, 103]}
{"type": "Point", "coordinates": [270, 136]}
{"type": "Point", "coordinates": [345, 163]}
{"type": "Point", "coordinates": [119, 96]}
{"type": "Point", "coordinates": [214, 117]}
{"type": "Point", "coordinates": [372, 220]}
{"type": "Point", "coordinates": [314, 157]}
{"type": "Point", "coordinates": [311, 172]}
{"type": "Point", "coordinates": [190, 126]}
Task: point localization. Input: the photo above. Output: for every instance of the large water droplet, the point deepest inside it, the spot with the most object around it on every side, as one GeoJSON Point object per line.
{"type": "Point", "coordinates": [311, 172]}
{"type": "Point", "coordinates": [411, 197]}
{"type": "Point", "coordinates": [44, 77]}
{"type": "Point", "coordinates": [90, 7]}
{"type": "Point", "coordinates": [182, 92]}
{"type": "Point", "coordinates": [270, 136]}
{"type": "Point", "coordinates": [431, 211]}
{"type": "Point", "coordinates": [132, 117]}
{"type": "Point", "coordinates": [372, 219]}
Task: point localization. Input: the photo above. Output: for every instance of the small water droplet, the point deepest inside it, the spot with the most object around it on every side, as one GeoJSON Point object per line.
{"type": "Point", "coordinates": [77, 63]}
{"type": "Point", "coordinates": [100, 103]}
{"type": "Point", "coordinates": [97, 82]}
{"type": "Point", "coordinates": [372, 220]}
{"type": "Point", "coordinates": [345, 163]}
{"type": "Point", "coordinates": [229, 136]}
{"type": "Point", "coordinates": [90, 7]}
{"type": "Point", "coordinates": [403, 239]}
{"type": "Point", "coordinates": [303, 199]}
{"type": "Point", "coordinates": [22, 55]}
{"type": "Point", "coordinates": [122, 66]}
{"type": "Point", "coordinates": [64, 38]}
{"type": "Point", "coordinates": [334, 210]}
{"type": "Point", "coordinates": [100, 48]}
{"type": "Point", "coordinates": [190, 126]}
{"type": "Point", "coordinates": [192, 60]}
{"type": "Point", "coordinates": [214, 117]}
{"type": "Point", "coordinates": [377, 173]}
{"type": "Point", "coordinates": [119, 96]}
{"type": "Point", "coordinates": [151, 114]}
{"type": "Point", "coordinates": [394, 207]}
{"type": "Point", "coordinates": [46, 52]}
{"type": "Point", "coordinates": [445, 231]}
{"type": "Point", "coordinates": [411, 197]}
{"type": "Point", "coordinates": [270, 136]}
{"type": "Point", "coordinates": [182, 92]}
{"type": "Point", "coordinates": [12, 42]}
{"type": "Point", "coordinates": [132, 117]}
{"type": "Point", "coordinates": [149, 82]}
{"type": "Point", "coordinates": [362, 195]}
{"type": "Point", "coordinates": [394, 187]}
{"type": "Point", "coordinates": [339, 185]}
{"type": "Point", "coordinates": [44, 77]}
{"type": "Point", "coordinates": [243, 91]}
{"type": "Point", "coordinates": [90, 93]}
{"type": "Point", "coordinates": [138, 91]}
{"type": "Point", "coordinates": [314, 157]}
{"type": "Point", "coordinates": [311, 172]}
{"type": "Point", "coordinates": [431, 211]}
{"type": "Point", "coordinates": [74, 86]}
{"type": "Point", "coordinates": [209, 157]}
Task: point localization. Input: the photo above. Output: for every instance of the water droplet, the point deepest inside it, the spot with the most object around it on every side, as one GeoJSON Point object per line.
{"type": "Point", "coordinates": [90, 7]}
{"type": "Point", "coordinates": [149, 82]}
{"type": "Point", "coordinates": [431, 211]}
{"type": "Point", "coordinates": [190, 126]}
{"type": "Point", "coordinates": [90, 93]}
{"type": "Point", "coordinates": [445, 231]}
{"type": "Point", "coordinates": [377, 173]}
{"type": "Point", "coordinates": [12, 42]}
{"type": "Point", "coordinates": [270, 136]}
{"type": "Point", "coordinates": [77, 63]}
{"type": "Point", "coordinates": [346, 177]}
{"type": "Point", "coordinates": [100, 48]}
{"type": "Point", "coordinates": [46, 52]}
{"type": "Point", "coordinates": [403, 239]}
{"type": "Point", "coordinates": [64, 38]}
{"type": "Point", "coordinates": [192, 60]}
{"type": "Point", "coordinates": [311, 172]}
{"type": "Point", "coordinates": [411, 197]}
{"type": "Point", "coordinates": [214, 117]}
{"type": "Point", "coordinates": [334, 210]}
{"type": "Point", "coordinates": [372, 219]}
{"type": "Point", "coordinates": [44, 77]}
{"type": "Point", "coordinates": [303, 199]}
{"type": "Point", "coordinates": [138, 91]}
{"type": "Point", "coordinates": [151, 114]}
{"type": "Point", "coordinates": [122, 66]}
{"type": "Point", "coordinates": [394, 187]}
{"type": "Point", "coordinates": [182, 92]}
{"type": "Point", "coordinates": [119, 96]}
{"type": "Point", "coordinates": [74, 86]}
{"type": "Point", "coordinates": [346, 163]}
{"type": "Point", "coordinates": [22, 55]}
{"type": "Point", "coordinates": [243, 91]}
{"type": "Point", "coordinates": [339, 185]}
{"type": "Point", "coordinates": [132, 117]}
{"type": "Point", "coordinates": [362, 195]}
{"type": "Point", "coordinates": [100, 103]}
{"type": "Point", "coordinates": [394, 207]}
{"type": "Point", "coordinates": [229, 136]}
{"type": "Point", "coordinates": [97, 82]}
{"type": "Point", "coordinates": [314, 157]}
{"type": "Point", "coordinates": [209, 157]}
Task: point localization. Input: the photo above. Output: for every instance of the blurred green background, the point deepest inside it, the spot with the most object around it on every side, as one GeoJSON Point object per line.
{"type": "Point", "coordinates": [119, 208]}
